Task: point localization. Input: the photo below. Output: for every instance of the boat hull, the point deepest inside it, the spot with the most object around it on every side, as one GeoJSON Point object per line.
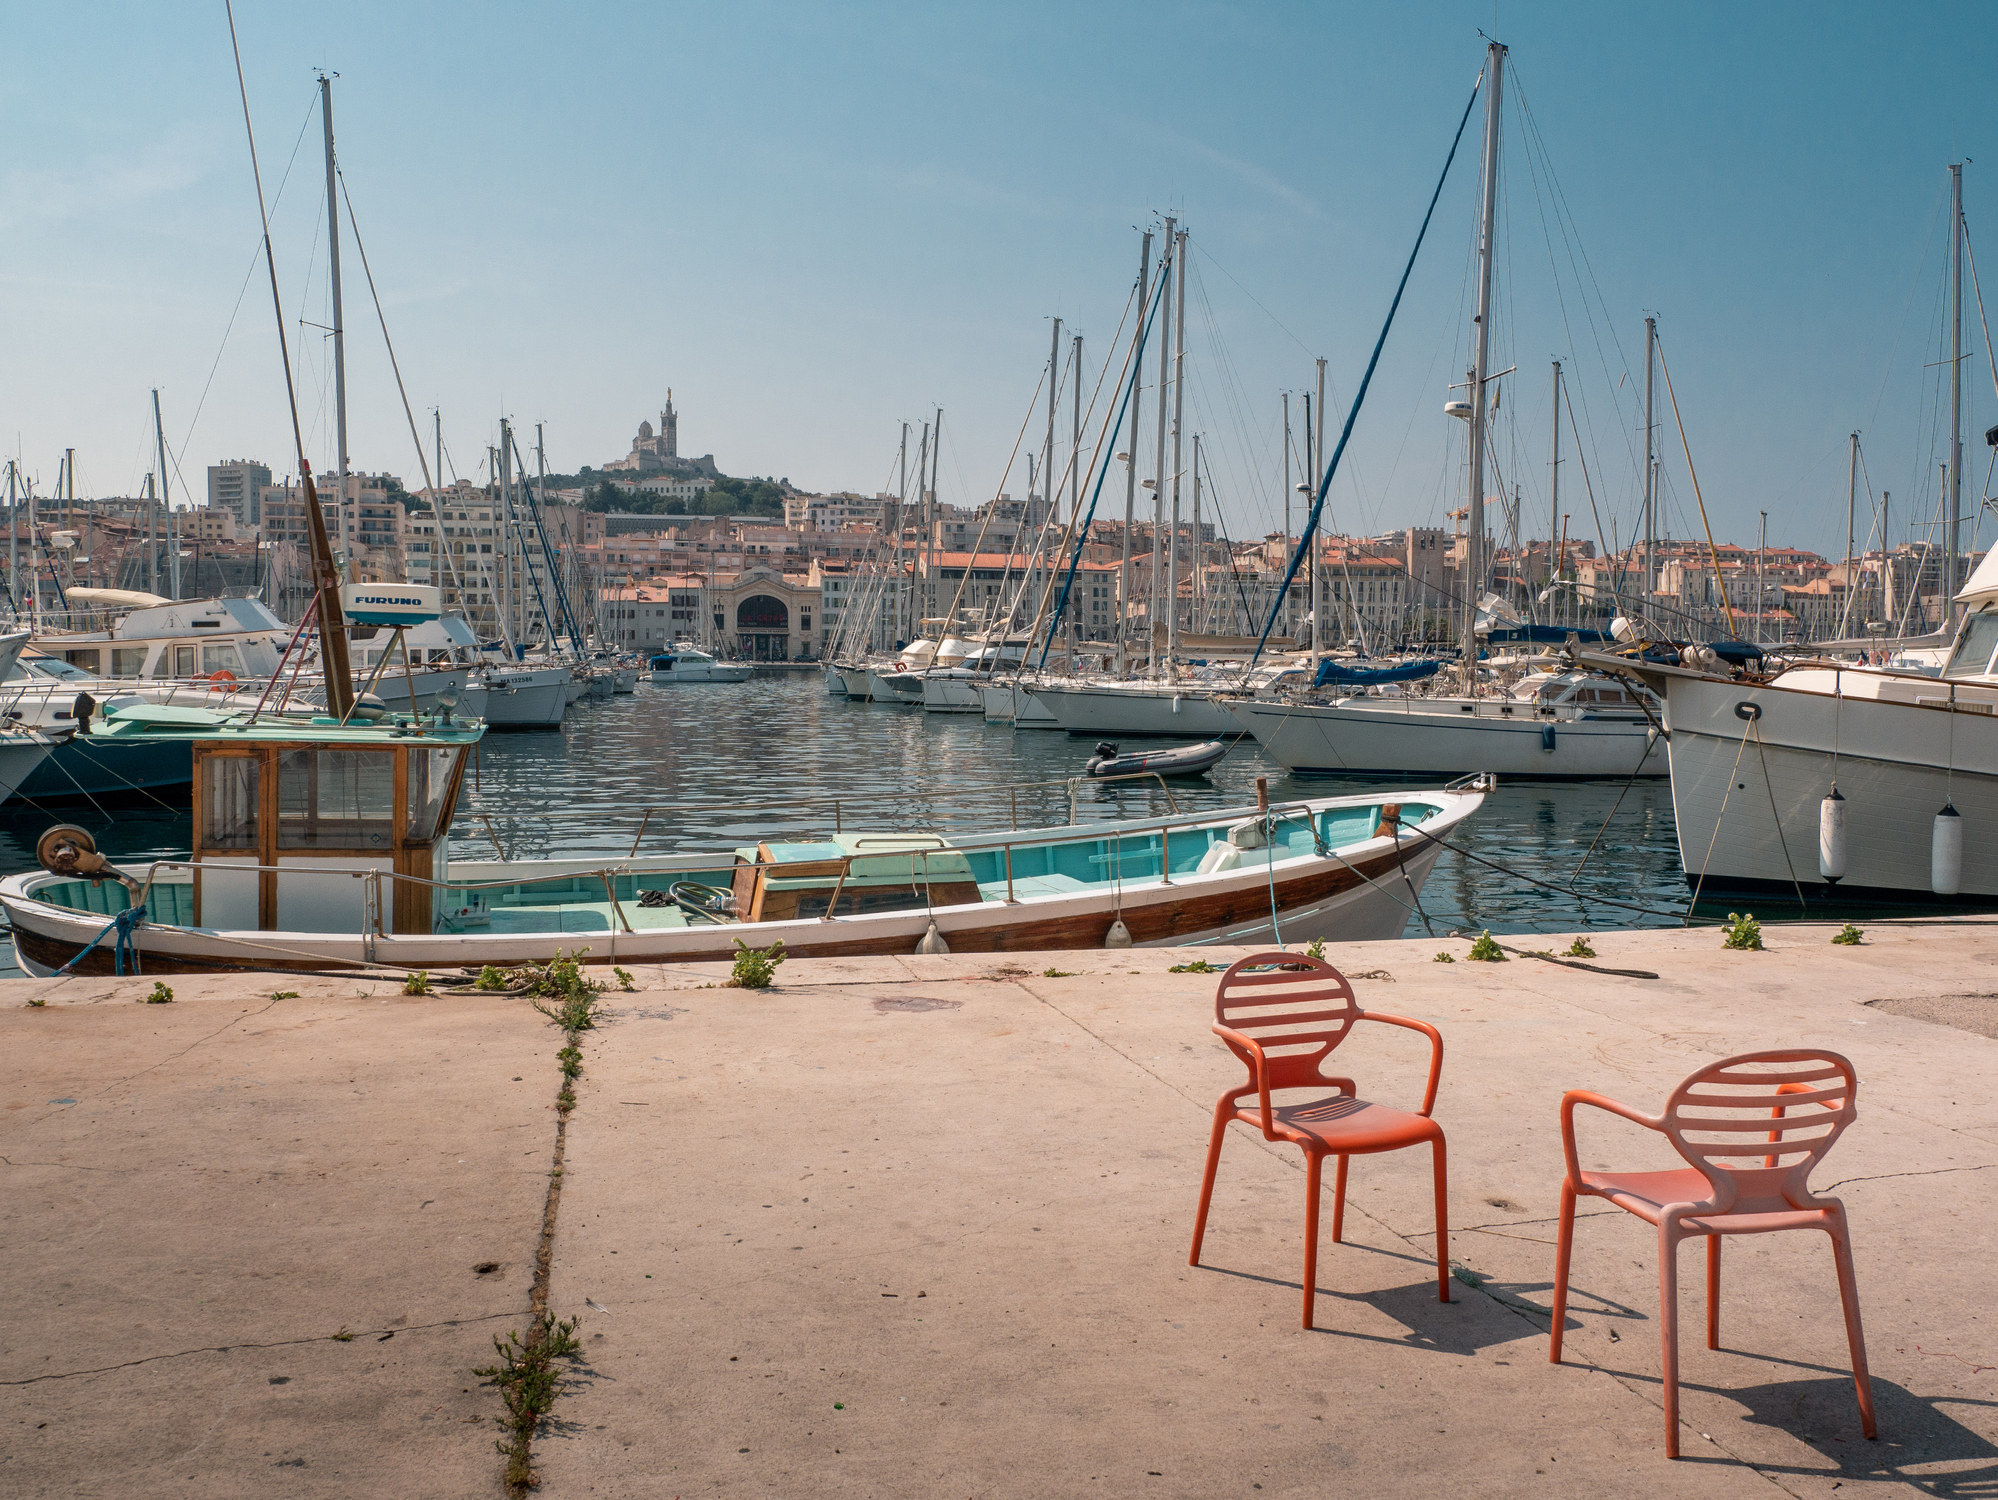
{"type": "Point", "coordinates": [1015, 704]}
{"type": "Point", "coordinates": [1367, 889]}
{"type": "Point", "coordinates": [1746, 800]}
{"type": "Point", "coordinates": [99, 766]}
{"type": "Point", "coordinates": [536, 699]}
{"type": "Point", "coordinates": [1379, 737]}
{"type": "Point", "coordinates": [1111, 712]}
{"type": "Point", "coordinates": [946, 694]}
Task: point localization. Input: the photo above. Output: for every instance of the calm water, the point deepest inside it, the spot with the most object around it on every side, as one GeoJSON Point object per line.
{"type": "Point", "coordinates": [726, 764]}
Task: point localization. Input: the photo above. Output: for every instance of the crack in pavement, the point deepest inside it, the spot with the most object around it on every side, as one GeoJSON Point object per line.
{"type": "Point", "coordinates": [317, 1338]}
{"type": "Point", "coordinates": [237, 1020]}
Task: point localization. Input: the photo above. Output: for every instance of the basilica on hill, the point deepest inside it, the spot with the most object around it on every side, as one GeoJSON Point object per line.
{"type": "Point", "coordinates": [657, 451]}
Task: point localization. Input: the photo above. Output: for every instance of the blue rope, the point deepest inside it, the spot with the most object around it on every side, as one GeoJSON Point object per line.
{"type": "Point", "coordinates": [1325, 484]}
{"type": "Point", "coordinates": [122, 924]}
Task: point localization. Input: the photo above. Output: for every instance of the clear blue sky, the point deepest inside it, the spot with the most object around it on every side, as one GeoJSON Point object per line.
{"type": "Point", "coordinates": [813, 222]}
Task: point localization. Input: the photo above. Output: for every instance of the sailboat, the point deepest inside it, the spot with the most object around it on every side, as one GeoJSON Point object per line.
{"type": "Point", "coordinates": [1829, 783]}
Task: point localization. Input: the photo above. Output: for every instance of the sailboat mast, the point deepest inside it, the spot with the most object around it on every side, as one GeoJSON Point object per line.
{"type": "Point", "coordinates": [1955, 394]}
{"type": "Point", "coordinates": [1178, 437]}
{"type": "Point", "coordinates": [1131, 461]}
{"type": "Point", "coordinates": [339, 323]}
{"type": "Point", "coordinates": [1290, 629]}
{"type": "Point", "coordinates": [1851, 499]}
{"type": "Point", "coordinates": [1048, 453]}
{"type": "Point", "coordinates": [166, 505]}
{"type": "Point", "coordinates": [1075, 486]}
{"type": "Point", "coordinates": [1159, 465]}
{"type": "Point", "coordinates": [1650, 466]}
{"type": "Point", "coordinates": [1197, 558]}
{"type": "Point", "coordinates": [1317, 462]}
{"type": "Point", "coordinates": [1554, 504]}
{"type": "Point", "coordinates": [1474, 554]}
{"type": "Point", "coordinates": [930, 533]}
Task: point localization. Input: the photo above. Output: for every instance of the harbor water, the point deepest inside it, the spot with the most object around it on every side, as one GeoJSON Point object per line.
{"type": "Point", "coordinates": [711, 767]}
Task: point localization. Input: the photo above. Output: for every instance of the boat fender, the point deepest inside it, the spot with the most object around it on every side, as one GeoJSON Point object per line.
{"type": "Point", "coordinates": [1946, 852]}
{"type": "Point", "coordinates": [1389, 826]}
{"type": "Point", "coordinates": [1547, 738]}
{"type": "Point", "coordinates": [1175, 702]}
{"type": "Point", "coordinates": [933, 941]}
{"type": "Point", "coordinates": [1831, 837]}
{"type": "Point", "coordinates": [1119, 936]}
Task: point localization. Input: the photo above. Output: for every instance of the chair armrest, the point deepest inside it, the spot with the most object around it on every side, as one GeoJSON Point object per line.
{"type": "Point", "coordinates": [1251, 1052]}
{"type": "Point", "coordinates": [1435, 1051]}
{"type": "Point", "coordinates": [1595, 1101]}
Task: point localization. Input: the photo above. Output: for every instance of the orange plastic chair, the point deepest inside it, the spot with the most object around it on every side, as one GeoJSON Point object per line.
{"type": "Point", "coordinates": [1282, 1023]}
{"type": "Point", "coordinates": [1735, 1185]}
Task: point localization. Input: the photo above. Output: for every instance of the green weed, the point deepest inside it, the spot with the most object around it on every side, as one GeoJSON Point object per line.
{"type": "Point", "coordinates": [416, 983]}
{"type": "Point", "coordinates": [1444, 958]}
{"type": "Point", "coordinates": [1197, 966]}
{"type": "Point", "coordinates": [1066, 973]}
{"type": "Point", "coordinates": [490, 978]}
{"type": "Point", "coordinates": [528, 1381]}
{"type": "Point", "coordinates": [1486, 951]}
{"type": "Point", "coordinates": [624, 980]}
{"type": "Point", "coordinates": [1580, 949]}
{"type": "Point", "coordinates": [1315, 948]}
{"type": "Point", "coordinates": [755, 968]}
{"type": "Point", "coordinates": [1849, 935]}
{"type": "Point", "coordinates": [1743, 932]}
{"type": "Point", "coordinates": [160, 995]}
{"type": "Point", "coordinates": [284, 994]}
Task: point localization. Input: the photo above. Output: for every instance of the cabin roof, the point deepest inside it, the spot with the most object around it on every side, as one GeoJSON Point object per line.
{"type": "Point", "coordinates": [161, 720]}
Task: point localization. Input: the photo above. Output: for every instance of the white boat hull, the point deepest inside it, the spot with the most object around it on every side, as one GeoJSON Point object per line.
{"type": "Point", "coordinates": [1398, 737]}
{"type": "Point", "coordinates": [534, 698]}
{"type": "Point", "coordinates": [1746, 793]}
{"type": "Point", "coordinates": [944, 693]}
{"type": "Point", "coordinates": [1126, 711]}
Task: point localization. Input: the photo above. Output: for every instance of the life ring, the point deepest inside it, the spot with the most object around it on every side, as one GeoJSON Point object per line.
{"type": "Point", "coordinates": [225, 675]}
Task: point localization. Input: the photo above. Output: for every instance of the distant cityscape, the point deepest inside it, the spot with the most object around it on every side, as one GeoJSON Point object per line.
{"type": "Point", "coordinates": [657, 547]}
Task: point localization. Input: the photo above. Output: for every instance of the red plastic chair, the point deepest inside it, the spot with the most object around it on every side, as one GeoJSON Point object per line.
{"type": "Point", "coordinates": [1283, 1023]}
{"type": "Point", "coordinates": [1745, 1177]}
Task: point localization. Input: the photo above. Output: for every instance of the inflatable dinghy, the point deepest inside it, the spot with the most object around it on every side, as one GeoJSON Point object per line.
{"type": "Point", "coordinates": [1178, 760]}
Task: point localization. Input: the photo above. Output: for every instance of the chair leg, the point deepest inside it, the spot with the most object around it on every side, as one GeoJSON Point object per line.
{"type": "Point", "coordinates": [1848, 1295]}
{"type": "Point", "coordinates": [1564, 1249]}
{"type": "Point", "coordinates": [1668, 1332]}
{"type": "Point", "coordinates": [1713, 1291]}
{"type": "Point", "coordinates": [1314, 1163]}
{"type": "Point", "coordinates": [1442, 1221]}
{"type": "Point", "coordinates": [1221, 1113]}
{"type": "Point", "coordinates": [1339, 1202]}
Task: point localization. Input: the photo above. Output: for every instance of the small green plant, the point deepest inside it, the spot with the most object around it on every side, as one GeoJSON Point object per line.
{"type": "Point", "coordinates": [38, 1002]}
{"type": "Point", "coordinates": [490, 978]}
{"type": "Point", "coordinates": [1486, 951]}
{"type": "Point", "coordinates": [571, 1058]}
{"type": "Point", "coordinates": [417, 982]}
{"type": "Point", "coordinates": [755, 968]}
{"type": "Point", "coordinates": [1315, 948]}
{"type": "Point", "coordinates": [344, 1336]}
{"type": "Point", "coordinates": [1743, 932]}
{"type": "Point", "coordinates": [160, 995]}
{"type": "Point", "coordinates": [527, 1380]}
{"type": "Point", "coordinates": [1063, 973]}
{"type": "Point", "coordinates": [1579, 949]}
{"type": "Point", "coordinates": [284, 994]}
{"type": "Point", "coordinates": [1444, 958]}
{"type": "Point", "coordinates": [1849, 935]}
{"type": "Point", "coordinates": [624, 980]}
{"type": "Point", "coordinates": [1197, 966]}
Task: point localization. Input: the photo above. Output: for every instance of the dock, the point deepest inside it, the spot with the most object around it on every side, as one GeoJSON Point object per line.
{"type": "Point", "coordinates": [919, 1227]}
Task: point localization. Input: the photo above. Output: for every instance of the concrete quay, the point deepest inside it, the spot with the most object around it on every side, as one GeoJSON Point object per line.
{"type": "Point", "coordinates": [918, 1227]}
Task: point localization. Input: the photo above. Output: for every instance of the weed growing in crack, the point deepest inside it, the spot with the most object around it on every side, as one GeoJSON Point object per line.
{"type": "Point", "coordinates": [1742, 932]}
{"type": "Point", "coordinates": [490, 978]}
{"type": "Point", "coordinates": [1849, 936]}
{"type": "Point", "coordinates": [161, 995]}
{"type": "Point", "coordinates": [417, 982]}
{"type": "Point", "coordinates": [1486, 950]}
{"type": "Point", "coordinates": [528, 1380]}
{"type": "Point", "coordinates": [755, 967]}
{"type": "Point", "coordinates": [571, 1058]}
{"type": "Point", "coordinates": [284, 994]}
{"type": "Point", "coordinates": [625, 981]}
{"type": "Point", "coordinates": [1195, 966]}
{"type": "Point", "coordinates": [1580, 949]}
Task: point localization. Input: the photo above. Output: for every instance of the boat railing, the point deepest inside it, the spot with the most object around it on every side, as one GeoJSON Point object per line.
{"type": "Point", "coordinates": [372, 876]}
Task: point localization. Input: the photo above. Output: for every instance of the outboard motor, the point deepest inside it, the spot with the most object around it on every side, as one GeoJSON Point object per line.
{"type": "Point", "coordinates": [1105, 753]}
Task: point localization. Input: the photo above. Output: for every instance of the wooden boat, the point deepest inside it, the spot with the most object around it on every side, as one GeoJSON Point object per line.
{"type": "Point", "coordinates": [324, 846]}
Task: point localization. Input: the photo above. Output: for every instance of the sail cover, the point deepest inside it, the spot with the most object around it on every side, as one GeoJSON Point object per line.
{"type": "Point", "coordinates": [1330, 671]}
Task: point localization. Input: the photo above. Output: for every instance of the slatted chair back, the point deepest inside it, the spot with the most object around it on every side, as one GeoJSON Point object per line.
{"type": "Point", "coordinates": [1295, 1007]}
{"type": "Point", "coordinates": [1756, 1125]}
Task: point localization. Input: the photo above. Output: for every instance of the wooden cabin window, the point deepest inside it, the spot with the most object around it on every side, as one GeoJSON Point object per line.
{"type": "Point", "coordinates": [429, 784]}
{"type": "Point", "coordinates": [229, 786]}
{"type": "Point", "coordinates": [336, 799]}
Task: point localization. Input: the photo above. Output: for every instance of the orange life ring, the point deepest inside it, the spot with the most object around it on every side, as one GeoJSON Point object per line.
{"type": "Point", "coordinates": [225, 675]}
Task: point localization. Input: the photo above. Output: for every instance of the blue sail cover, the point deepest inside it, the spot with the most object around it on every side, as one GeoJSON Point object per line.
{"type": "Point", "coordinates": [1545, 635]}
{"type": "Point", "coordinates": [1329, 671]}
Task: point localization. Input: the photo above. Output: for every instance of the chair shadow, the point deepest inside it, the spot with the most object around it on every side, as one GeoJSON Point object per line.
{"type": "Point", "coordinates": [1439, 1327]}
{"type": "Point", "coordinates": [1820, 1410]}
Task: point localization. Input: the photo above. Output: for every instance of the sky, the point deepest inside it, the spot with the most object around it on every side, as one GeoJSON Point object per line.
{"type": "Point", "coordinates": [814, 223]}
